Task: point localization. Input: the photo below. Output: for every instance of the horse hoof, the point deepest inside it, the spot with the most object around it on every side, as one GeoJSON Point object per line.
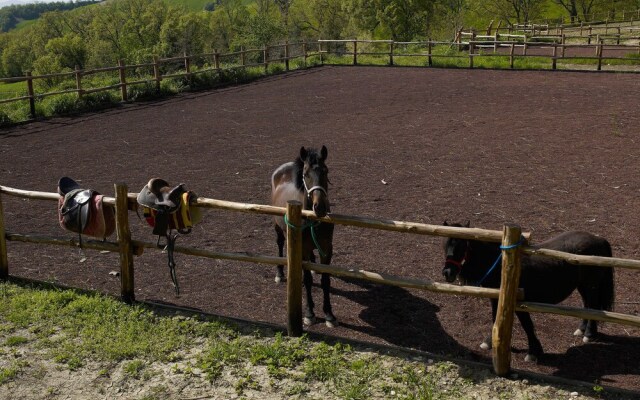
{"type": "Point", "coordinates": [279, 279]}
{"type": "Point", "coordinates": [331, 324]}
{"type": "Point", "coordinates": [531, 358]}
{"type": "Point", "coordinates": [578, 332]}
{"type": "Point", "coordinates": [586, 339]}
{"type": "Point", "coordinates": [309, 321]}
{"type": "Point", "coordinates": [485, 346]}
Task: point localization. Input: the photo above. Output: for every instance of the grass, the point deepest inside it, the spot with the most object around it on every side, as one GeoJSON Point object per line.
{"type": "Point", "coordinates": [80, 331]}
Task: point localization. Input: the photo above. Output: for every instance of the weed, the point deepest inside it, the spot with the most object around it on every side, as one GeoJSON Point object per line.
{"type": "Point", "coordinates": [246, 381]}
{"type": "Point", "coordinates": [134, 368]}
{"type": "Point", "coordinates": [16, 340]}
{"type": "Point", "coordinates": [8, 373]}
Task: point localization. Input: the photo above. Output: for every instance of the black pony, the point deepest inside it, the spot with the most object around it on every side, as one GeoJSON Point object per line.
{"type": "Point", "coordinates": [543, 279]}
{"type": "Point", "coordinates": [306, 180]}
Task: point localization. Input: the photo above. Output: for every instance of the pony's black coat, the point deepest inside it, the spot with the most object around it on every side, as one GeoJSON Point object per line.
{"type": "Point", "coordinates": [543, 279]}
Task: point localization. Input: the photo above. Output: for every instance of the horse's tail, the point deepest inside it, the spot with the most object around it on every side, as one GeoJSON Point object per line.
{"type": "Point", "coordinates": [607, 283]}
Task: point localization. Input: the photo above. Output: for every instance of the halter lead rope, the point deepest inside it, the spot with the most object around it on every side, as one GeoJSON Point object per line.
{"type": "Point", "coordinates": [510, 247]}
{"type": "Point", "coordinates": [311, 225]}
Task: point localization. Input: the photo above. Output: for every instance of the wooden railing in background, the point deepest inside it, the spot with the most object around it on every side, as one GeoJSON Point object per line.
{"type": "Point", "coordinates": [183, 67]}
{"type": "Point", "coordinates": [509, 296]}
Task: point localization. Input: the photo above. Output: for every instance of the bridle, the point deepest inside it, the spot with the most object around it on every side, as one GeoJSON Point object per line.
{"type": "Point", "coordinates": [458, 263]}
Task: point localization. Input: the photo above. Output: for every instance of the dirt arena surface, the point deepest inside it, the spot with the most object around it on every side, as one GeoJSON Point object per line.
{"type": "Point", "coordinates": [552, 151]}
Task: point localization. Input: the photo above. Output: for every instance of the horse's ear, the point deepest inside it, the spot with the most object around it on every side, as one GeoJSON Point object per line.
{"type": "Point", "coordinates": [303, 153]}
{"type": "Point", "coordinates": [467, 224]}
{"type": "Point", "coordinates": [324, 152]}
{"type": "Point", "coordinates": [445, 223]}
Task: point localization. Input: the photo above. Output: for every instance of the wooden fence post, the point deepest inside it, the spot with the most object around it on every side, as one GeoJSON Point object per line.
{"type": "Point", "coordinates": [320, 52]}
{"type": "Point", "coordinates": [4, 260]}
{"type": "Point", "coordinates": [511, 55]}
{"type": "Point", "coordinates": [187, 68]}
{"type": "Point", "coordinates": [502, 328]}
{"type": "Point", "coordinates": [355, 52]}
{"type": "Point", "coordinates": [124, 241]}
{"type": "Point", "coordinates": [78, 72]}
{"type": "Point", "coordinates": [243, 57]}
{"type": "Point", "coordinates": [265, 56]}
{"type": "Point", "coordinates": [156, 72]}
{"type": "Point", "coordinates": [553, 59]}
{"type": "Point", "coordinates": [429, 49]}
{"type": "Point", "coordinates": [294, 268]}
{"type": "Point", "coordinates": [304, 53]}
{"type": "Point", "coordinates": [391, 53]}
{"type": "Point", "coordinates": [216, 60]}
{"type": "Point", "coordinates": [32, 97]}
{"type": "Point", "coordinates": [286, 55]}
{"type": "Point", "coordinates": [123, 80]}
{"type": "Point", "coordinates": [599, 52]}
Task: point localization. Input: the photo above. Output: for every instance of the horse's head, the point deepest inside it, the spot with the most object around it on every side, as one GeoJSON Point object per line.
{"type": "Point", "coordinates": [315, 178]}
{"type": "Point", "coordinates": [456, 252]}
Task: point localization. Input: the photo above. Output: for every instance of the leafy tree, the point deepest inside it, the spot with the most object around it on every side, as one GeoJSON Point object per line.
{"type": "Point", "coordinates": [319, 19]}
{"type": "Point", "coordinates": [17, 57]}
{"type": "Point", "coordinates": [70, 51]}
{"type": "Point", "coordinates": [227, 23]}
{"type": "Point", "coordinates": [515, 11]}
{"type": "Point", "coordinates": [401, 20]}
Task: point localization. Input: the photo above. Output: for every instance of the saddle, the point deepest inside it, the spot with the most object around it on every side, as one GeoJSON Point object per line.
{"type": "Point", "coordinates": [82, 211]}
{"type": "Point", "coordinates": [166, 208]}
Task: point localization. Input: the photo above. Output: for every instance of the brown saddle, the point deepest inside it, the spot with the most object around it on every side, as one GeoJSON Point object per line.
{"type": "Point", "coordinates": [159, 196]}
{"type": "Point", "coordinates": [82, 211]}
{"type": "Point", "coordinates": [166, 208]}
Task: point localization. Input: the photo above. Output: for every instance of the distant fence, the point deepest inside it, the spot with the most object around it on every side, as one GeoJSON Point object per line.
{"type": "Point", "coordinates": [508, 295]}
{"type": "Point", "coordinates": [478, 46]}
{"type": "Point", "coordinates": [185, 66]}
{"type": "Point", "coordinates": [189, 66]}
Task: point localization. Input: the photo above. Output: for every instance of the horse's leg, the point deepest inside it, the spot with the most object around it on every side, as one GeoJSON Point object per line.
{"type": "Point", "coordinates": [535, 347]}
{"type": "Point", "coordinates": [280, 242]}
{"type": "Point", "coordinates": [325, 281]}
{"type": "Point", "coordinates": [588, 328]}
{"type": "Point", "coordinates": [487, 343]}
{"type": "Point", "coordinates": [309, 316]}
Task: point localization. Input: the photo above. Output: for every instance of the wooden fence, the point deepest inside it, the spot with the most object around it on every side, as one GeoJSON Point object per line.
{"type": "Point", "coordinates": [476, 48]}
{"type": "Point", "coordinates": [509, 296]}
{"type": "Point", "coordinates": [189, 66]}
{"type": "Point", "coordinates": [185, 67]}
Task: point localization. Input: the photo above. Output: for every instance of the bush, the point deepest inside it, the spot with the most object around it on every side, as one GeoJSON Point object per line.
{"type": "Point", "coordinates": [61, 104]}
{"type": "Point", "coordinates": [5, 120]}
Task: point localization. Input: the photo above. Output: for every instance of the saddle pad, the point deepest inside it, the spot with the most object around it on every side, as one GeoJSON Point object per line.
{"type": "Point", "coordinates": [182, 219]}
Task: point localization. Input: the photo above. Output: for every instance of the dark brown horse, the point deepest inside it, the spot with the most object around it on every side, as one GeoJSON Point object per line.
{"type": "Point", "coordinates": [306, 180]}
{"type": "Point", "coordinates": [543, 279]}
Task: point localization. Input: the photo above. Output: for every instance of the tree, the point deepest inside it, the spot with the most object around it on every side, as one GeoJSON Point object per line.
{"type": "Point", "coordinates": [515, 11]}
{"type": "Point", "coordinates": [319, 19]}
{"type": "Point", "coordinates": [401, 20]}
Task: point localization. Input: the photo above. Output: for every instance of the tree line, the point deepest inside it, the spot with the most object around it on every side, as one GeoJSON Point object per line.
{"type": "Point", "coordinates": [11, 15]}
{"type": "Point", "coordinates": [99, 34]}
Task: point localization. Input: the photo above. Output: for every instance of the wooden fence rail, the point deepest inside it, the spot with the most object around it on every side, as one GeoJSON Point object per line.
{"type": "Point", "coordinates": [182, 67]}
{"type": "Point", "coordinates": [186, 67]}
{"type": "Point", "coordinates": [509, 296]}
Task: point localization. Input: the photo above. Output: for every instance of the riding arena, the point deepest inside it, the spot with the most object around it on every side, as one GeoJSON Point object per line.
{"type": "Point", "coordinates": [550, 151]}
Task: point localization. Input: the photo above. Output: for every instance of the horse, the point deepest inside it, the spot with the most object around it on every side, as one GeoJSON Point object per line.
{"type": "Point", "coordinates": [306, 180]}
{"type": "Point", "coordinates": [543, 279]}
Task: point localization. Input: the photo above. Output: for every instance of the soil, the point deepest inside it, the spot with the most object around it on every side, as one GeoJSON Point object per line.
{"type": "Point", "coordinates": [551, 151]}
